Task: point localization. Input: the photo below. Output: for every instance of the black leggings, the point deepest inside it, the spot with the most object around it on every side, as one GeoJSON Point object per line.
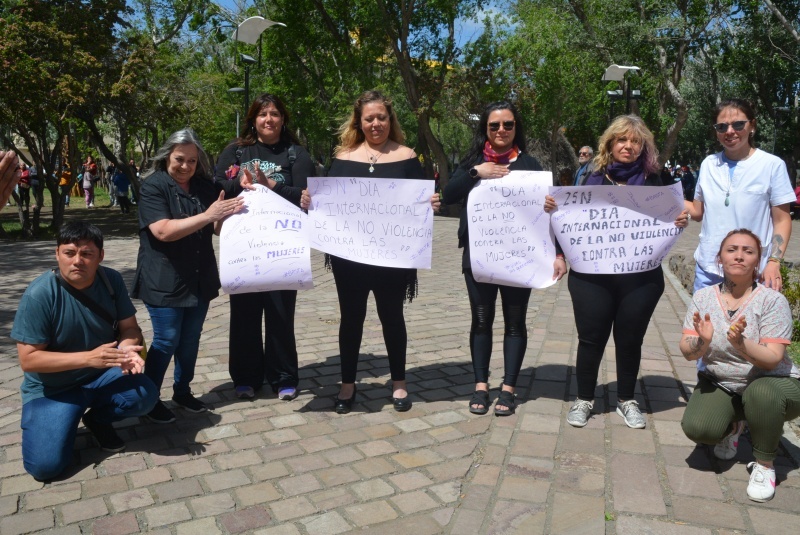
{"type": "Point", "coordinates": [624, 301]}
{"type": "Point", "coordinates": [353, 283]}
{"type": "Point", "coordinates": [482, 300]}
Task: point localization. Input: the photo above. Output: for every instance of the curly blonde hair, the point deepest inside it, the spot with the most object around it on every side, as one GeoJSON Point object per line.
{"type": "Point", "coordinates": [350, 133]}
{"type": "Point", "coordinates": [631, 126]}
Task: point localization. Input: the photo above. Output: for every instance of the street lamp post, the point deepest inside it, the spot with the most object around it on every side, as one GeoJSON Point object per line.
{"type": "Point", "coordinates": [616, 73]}
{"type": "Point", "coordinates": [238, 90]}
{"type": "Point", "coordinates": [247, 60]}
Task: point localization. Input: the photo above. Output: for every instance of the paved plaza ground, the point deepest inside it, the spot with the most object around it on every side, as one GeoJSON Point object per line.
{"type": "Point", "coordinates": [272, 467]}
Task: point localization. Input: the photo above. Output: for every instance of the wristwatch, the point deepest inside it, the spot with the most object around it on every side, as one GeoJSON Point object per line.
{"type": "Point", "coordinates": [473, 173]}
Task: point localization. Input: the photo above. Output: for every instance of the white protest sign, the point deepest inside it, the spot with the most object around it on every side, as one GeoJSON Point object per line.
{"type": "Point", "coordinates": [510, 239]}
{"type": "Point", "coordinates": [265, 246]}
{"type": "Point", "coordinates": [612, 229]}
{"type": "Point", "coordinates": [378, 221]}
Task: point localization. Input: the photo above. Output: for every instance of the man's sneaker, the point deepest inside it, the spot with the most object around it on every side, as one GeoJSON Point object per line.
{"type": "Point", "coordinates": [578, 415]}
{"type": "Point", "coordinates": [104, 434]}
{"type": "Point", "coordinates": [245, 392]}
{"type": "Point", "coordinates": [762, 482]}
{"type": "Point", "coordinates": [629, 410]}
{"type": "Point", "coordinates": [161, 414]}
{"type": "Point", "coordinates": [728, 446]}
{"type": "Point", "coordinates": [189, 402]}
{"type": "Point", "coordinates": [287, 393]}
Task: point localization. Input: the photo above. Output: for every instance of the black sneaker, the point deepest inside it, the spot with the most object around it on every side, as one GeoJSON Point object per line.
{"type": "Point", "coordinates": [161, 414]}
{"type": "Point", "coordinates": [104, 434]}
{"type": "Point", "coordinates": [189, 402]}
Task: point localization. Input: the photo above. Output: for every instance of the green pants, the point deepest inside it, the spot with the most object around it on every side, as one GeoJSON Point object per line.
{"type": "Point", "coordinates": [766, 403]}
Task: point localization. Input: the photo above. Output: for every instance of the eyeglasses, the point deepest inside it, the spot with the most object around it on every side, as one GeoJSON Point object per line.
{"type": "Point", "coordinates": [738, 126]}
{"type": "Point", "coordinates": [507, 125]}
{"type": "Point", "coordinates": [584, 154]}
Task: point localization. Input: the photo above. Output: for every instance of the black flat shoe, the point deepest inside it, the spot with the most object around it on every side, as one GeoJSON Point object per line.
{"type": "Point", "coordinates": [343, 406]}
{"type": "Point", "coordinates": [402, 404]}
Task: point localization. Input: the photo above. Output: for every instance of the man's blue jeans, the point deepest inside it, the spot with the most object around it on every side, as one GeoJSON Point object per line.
{"type": "Point", "coordinates": [176, 331]}
{"type": "Point", "coordinates": [49, 424]}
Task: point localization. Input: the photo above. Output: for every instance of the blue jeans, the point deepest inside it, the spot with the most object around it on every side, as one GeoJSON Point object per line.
{"type": "Point", "coordinates": [176, 331]}
{"type": "Point", "coordinates": [49, 424]}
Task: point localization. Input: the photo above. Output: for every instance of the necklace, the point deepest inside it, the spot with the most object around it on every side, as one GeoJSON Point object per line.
{"type": "Point", "coordinates": [373, 159]}
{"type": "Point", "coordinates": [614, 181]}
{"type": "Point", "coordinates": [731, 310]}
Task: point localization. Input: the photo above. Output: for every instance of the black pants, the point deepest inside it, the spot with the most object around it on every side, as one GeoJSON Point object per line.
{"type": "Point", "coordinates": [482, 301]}
{"type": "Point", "coordinates": [253, 359]}
{"type": "Point", "coordinates": [354, 281]}
{"type": "Point", "coordinates": [124, 203]}
{"type": "Point", "coordinates": [625, 302]}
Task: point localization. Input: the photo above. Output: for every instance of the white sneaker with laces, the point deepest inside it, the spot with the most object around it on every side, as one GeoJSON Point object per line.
{"type": "Point", "coordinates": [728, 446]}
{"type": "Point", "coordinates": [578, 415]}
{"type": "Point", "coordinates": [630, 412]}
{"type": "Point", "coordinates": [762, 482]}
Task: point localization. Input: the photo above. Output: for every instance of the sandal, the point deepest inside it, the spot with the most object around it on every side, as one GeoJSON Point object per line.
{"type": "Point", "coordinates": [481, 399]}
{"type": "Point", "coordinates": [505, 399]}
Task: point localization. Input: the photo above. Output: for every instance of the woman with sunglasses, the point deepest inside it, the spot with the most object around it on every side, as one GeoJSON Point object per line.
{"type": "Point", "coordinates": [496, 151]}
{"type": "Point", "coordinates": [741, 186]}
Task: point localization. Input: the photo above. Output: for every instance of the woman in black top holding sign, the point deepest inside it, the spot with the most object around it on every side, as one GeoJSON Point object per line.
{"type": "Point", "coordinates": [496, 150]}
{"type": "Point", "coordinates": [625, 301]}
{"type": "Point", "coordinates": [270, 152]}
{"type": "Point", "coordinates": [371, 146]}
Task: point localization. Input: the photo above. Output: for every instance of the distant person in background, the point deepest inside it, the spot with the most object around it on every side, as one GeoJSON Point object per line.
{"type": "Point", "coordinates": [585, 155]}
{"type": "Point", "coordinates": [9, 175]}
{"type": "Point", "coordinates": [688, 183]}
{"type": "Point", "coordinates": [89, 178]}
{"type": "Point", "coordinates": [121, 186]}
{"type": "Point", "coordinates": [24, 186]}
{"type": "Point", "coordinates": [65, 183]}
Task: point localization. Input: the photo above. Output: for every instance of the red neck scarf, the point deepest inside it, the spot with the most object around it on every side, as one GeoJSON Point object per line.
{"type": "Point", "coordinates": [490, 155]}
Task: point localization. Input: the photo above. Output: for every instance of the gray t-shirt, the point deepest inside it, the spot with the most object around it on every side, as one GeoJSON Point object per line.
{"type": "Point", "coordinates": [769, 319]}
{"type": "Point", "coordinates": [48, 314]}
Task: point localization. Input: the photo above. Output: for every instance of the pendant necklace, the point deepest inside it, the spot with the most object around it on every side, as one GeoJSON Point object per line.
{"type": "Point", "coordinates": [614, 181]}
{"type": "Point", "coordinates": [373, 159]}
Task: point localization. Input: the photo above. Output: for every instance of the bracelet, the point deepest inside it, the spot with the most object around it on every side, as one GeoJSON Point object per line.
{"type": "Point", "coordinates": [561, 256]}
{"type": "Point", "coordinates": [775, 259]}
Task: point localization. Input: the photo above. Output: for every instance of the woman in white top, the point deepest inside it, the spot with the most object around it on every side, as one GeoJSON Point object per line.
{"type": "Point", "coordinates": [742, 186]}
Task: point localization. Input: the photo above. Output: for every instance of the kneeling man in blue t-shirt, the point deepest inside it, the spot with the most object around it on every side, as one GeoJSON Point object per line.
{"type": "Point", "coordinates": [78, 344]}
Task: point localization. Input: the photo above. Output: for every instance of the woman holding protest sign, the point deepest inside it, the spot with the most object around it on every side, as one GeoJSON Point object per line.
{"type": "Point", "coordinates": [268, 150]}
{"type": "Point", "coordinates": [740, 330]}
{"type": "Point", "coordinates": [741, 186]}
{"type": "Point", "coordinates": [496, 150]}
{"type": "Point", "coordinates": [371, 145]}
{"type": "Point", "coordinates": [623, 301]}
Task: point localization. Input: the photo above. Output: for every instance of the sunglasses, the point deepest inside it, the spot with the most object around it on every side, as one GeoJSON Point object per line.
{"type": "Point", "coordinates": [738, 126]}
{"type": "Point", "coordinates": [507, 125]}
{"type": "Point", "coordinates": [584, 154]}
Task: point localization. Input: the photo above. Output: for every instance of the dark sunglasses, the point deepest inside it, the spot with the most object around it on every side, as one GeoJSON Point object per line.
{"type": "Point", "coordinates": [507, 125]}
{"type": "Point", "coordinates": [584, 154]}
{"type": "Point", "coordinates": [738, 126]}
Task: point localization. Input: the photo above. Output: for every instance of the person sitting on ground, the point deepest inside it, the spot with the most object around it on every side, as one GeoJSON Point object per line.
{"type": "Point", "coordinates": [74, 358]}
{"type": "Point", "coordinates": [740, 328]}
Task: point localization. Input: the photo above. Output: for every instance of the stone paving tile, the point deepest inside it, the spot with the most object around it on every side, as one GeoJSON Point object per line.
{"type": "Point", "coordinates": [577, 514]}
{"type": "Point", "coordinates": [631, 525]}
{"type": "Point", "coordinates": [708, 512]}
{"type": "Point", "coordinates": [636, 486]}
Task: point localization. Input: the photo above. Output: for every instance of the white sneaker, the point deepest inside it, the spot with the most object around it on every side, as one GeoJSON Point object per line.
{"type": "Point", "coordinates": [578, 415]}
{"type": "Point", "coordinates": [629, 410]}
{"type": "Point", "coordinates": [728, 446]}
{"type": "Point", "coordinates": [762, 482]}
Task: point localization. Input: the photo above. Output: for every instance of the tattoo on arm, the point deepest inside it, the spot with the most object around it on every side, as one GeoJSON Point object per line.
{"type": "Point", "coordinates": [777, 243]}
{"type": "Point", "coordinates": [696, 343]}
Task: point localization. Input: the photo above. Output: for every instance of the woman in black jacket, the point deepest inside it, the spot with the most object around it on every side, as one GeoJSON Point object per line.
{"type": "Point", "coordinates": [496, 150]}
